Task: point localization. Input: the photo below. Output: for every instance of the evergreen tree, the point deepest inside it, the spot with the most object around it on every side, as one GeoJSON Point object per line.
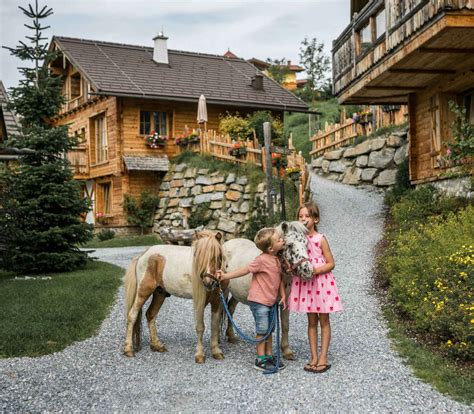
{"type": "Point", "coordinates": [40, 202]}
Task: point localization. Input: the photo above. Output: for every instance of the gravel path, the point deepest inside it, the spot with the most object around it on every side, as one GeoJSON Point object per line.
{"type": "Point", "coordinates": [366, 376]}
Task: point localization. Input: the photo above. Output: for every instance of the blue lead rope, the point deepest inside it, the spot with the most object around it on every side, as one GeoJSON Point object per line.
{"type": "Point", "coordinates": [273, 319]}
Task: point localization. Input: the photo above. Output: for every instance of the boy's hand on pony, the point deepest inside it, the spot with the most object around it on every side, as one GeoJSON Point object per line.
{"type": "Point", "coordinates": [220, 274]}
{"type": "Point", "coordinates": [282, 302]}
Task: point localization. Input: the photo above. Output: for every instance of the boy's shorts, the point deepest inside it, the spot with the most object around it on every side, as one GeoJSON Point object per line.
{"type": "Point", "coordinates": [262, 315]}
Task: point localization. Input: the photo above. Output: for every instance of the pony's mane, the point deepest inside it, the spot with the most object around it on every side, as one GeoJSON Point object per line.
{"type": "Point", "coordinates": [207, 248]}
{"type": "Point", "coordinates": [296, 226]}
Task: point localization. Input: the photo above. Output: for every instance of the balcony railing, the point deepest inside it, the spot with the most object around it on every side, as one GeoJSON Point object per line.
{"type": "Point", "coordinates": [79, 159]}
{"type": "Point", "coordinates": [72, 104]}
{"type": "Point", "coordinates": [397, 20]}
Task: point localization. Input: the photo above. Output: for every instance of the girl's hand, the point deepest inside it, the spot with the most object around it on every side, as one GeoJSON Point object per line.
{"type": "Point", "coordinates": [220, 275]}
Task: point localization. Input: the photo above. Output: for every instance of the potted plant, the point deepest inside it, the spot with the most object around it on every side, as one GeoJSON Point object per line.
{"type": "Point", "coordinates": [237, 150]}
{"type": "Point", "coordinates": [155, 140]}
{"type": "Point", "coordinates": [293, 173]}
{"type": "Point", "coordinates": [102, 218]}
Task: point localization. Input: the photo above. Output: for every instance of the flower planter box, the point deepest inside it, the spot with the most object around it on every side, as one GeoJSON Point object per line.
{"type": "Point", "coordinates": [238, 152]}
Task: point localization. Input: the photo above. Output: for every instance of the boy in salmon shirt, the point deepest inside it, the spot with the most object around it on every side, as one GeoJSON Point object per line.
{"type": "Point", "coordinates": [265, 286]}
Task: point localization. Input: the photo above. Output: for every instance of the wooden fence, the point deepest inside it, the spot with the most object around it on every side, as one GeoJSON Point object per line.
{"type": "Point", "coordinates": [220, 147]}
{"type": "Point", "coordinates": [338, 135]}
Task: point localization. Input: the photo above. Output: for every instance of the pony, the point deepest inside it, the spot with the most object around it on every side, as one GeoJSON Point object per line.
{"type": "Point", "coordinates": [182, 271]}
{"type": "Point", "coordinates": [240, 252]}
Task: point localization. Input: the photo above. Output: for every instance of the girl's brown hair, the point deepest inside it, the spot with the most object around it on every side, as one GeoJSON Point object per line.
{"type": "Point", "coordinates": [313, 211]}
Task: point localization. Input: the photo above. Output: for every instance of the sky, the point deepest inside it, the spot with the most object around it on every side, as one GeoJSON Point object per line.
{"type": "Point", "coordinates": [260, 29]}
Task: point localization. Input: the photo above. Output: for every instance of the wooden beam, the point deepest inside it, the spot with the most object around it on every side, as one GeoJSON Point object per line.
{"type": "Point", "coordinates": [396, 88]}
{"type": "Point", "coordinates": [449, 50]}
{"type": "Point", "coordinates": [424, 71]}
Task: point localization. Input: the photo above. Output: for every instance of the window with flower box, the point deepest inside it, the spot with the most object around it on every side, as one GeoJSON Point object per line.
{"type": "Point", "coordinates": [103, 206]}
{"type": "Point", "coordinates": [154, 121]}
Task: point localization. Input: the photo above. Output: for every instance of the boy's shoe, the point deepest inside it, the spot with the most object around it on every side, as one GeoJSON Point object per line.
{"type": "Point", "coordinates": [263, 364]}
{"type": "Point", "coordinates": [273, 361]}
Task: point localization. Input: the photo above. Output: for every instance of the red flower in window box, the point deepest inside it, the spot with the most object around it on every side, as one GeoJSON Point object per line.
{"type": "Point", "coordinates": [155, 140]}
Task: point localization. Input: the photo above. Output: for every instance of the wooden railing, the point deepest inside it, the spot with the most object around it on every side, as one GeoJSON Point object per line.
{"type": "Point", "coordinates": [79, 159]}
{"type": "Point", "coordinates": [403, 18]}
{"type": "Point", "coordinates": [334, 136]}
{"type": "Point", "coordinates": [220, 147]}
{"type": "Point", "coordinates": [72, 104]}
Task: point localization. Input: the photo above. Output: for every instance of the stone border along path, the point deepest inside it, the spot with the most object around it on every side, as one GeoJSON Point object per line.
{"type": "Point", "coordinates": [366, 375]}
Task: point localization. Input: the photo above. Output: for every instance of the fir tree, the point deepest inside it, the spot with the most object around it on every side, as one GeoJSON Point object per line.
{"type": "Point", "coordinates": [40, 201]}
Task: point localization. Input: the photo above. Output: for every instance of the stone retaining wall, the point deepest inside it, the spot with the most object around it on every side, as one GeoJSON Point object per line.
{"type": "Point", "coordinates": [230, 199]}
{"type": "Point", "coordinates": [372, 162]}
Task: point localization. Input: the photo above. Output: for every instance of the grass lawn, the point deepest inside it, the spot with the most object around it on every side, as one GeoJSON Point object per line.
{"type": "Point", "coordinates": [146, 240]}
{"type": "Point", "coordinates": [454, 380]}
{"type": "Point", "coordinates": [44, 316]}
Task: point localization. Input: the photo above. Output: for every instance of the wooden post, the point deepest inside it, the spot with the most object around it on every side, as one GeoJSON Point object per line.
{"type": "Point", "coordinates": [267, 134]}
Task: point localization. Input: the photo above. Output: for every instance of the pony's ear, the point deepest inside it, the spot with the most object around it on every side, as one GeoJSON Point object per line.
{"type": "Point", "coordinates": [197, 235]}
{"type": "Point", "coordinates": [284, 226]}
{"type": "Point", "coordinates": [219, 236]}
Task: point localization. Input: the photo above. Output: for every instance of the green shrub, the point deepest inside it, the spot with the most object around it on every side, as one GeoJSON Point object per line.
{"type": "Point", "coordinates": [256, 121]}
{"type": "Point", "coordinates": [201, 216]}
{"type": "Point", "coordinates": [234, 125]}
{"type": "Point", "coordinates": [105, 234]}
{"type": "Point", "coordinates": [401, 186]}
{"type": "Point", "coordinates": [420, 204]}
{"type": "Point", "coordinates": [428, 267]}
{"type": "Point", "coordinates": [140, 212]}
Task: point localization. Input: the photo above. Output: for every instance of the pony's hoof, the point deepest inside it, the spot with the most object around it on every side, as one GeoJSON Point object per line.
{"type": "Point", "coordinates": [289, 355]}
{"type": "Point", "coordinates": [158, 348]}
{"type": "Point", "coordinates": [233, 340]}
{"type": "Point", "coordinates": [199, 359]}
{"type": "Point", "coordinates": [219, 355]}
{"type": "Point", "coordinates": [129, 353]}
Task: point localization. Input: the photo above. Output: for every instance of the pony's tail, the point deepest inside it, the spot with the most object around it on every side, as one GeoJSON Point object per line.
{"type": "Point", "coordinates": [199, 291]}
{"type": "Point", "coordinates": [130, 286]}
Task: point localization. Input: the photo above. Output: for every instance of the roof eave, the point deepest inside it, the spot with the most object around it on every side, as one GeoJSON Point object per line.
{"type": "Point", "coordinates": [209, 100]}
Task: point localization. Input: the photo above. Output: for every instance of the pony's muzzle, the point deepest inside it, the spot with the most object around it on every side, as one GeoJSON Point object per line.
{"type": "Point", "coordinates": [209, 281]}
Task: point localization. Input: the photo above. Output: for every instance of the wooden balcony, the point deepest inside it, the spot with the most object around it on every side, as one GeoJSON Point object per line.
{"type": "Point", "coordinates": [395, 47]}
{"type": "Point", "coordinates": [79, 159]}
{"type": "Point", "coordinates": [72, 104]}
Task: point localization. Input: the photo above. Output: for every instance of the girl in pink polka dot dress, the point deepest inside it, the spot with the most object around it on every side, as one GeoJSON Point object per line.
{"type": "Point", "coordinates": [317, 297]}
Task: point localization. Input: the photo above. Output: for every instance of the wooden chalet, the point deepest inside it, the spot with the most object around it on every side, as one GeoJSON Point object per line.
{"type": "Point", "coordinates": [290, 81]}
{"type": "Point", "coordinates": [8, 127]}
{"type": "Point", "coordinates": [116, 94]}
{"type": "Point", "coordinates": [415, 52]}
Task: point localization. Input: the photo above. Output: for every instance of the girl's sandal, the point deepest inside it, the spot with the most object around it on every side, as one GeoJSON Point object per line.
{"type": "Point", "coordinates": [309, 367]}
{"type": "Point", "coordinates": [320, 371]}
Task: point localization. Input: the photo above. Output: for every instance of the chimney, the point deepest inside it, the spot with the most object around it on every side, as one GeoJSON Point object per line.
{"type": "Point", "coordinates": [160, 51]}
{"type": "Point", "coordinates": [257, 82]}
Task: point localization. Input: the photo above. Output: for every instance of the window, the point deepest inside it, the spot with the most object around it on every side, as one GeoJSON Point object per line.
{"type": "Point", "coordinates": [153, 121]}
{"type": "Point", "coordinates": [75, 86]}
{"type": "Point", "coordinates": [100, 138]}
{"type": "Point", "coordinates": [380, 23]}
{"type": "Point", "coordinates": [104, 198]}
{"type": "Point", "coordinates": [365, 39]}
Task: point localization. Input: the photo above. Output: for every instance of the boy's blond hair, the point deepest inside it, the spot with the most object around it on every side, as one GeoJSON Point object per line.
{"type": "Point", "coordinates": [263, 238]}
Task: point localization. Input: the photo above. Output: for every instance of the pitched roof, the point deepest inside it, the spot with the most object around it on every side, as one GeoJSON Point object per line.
{"type": "Point", "coordinates": [262, 65]}
{"type": "Point", "coordinates": [136, 163]}
{"type": "Point", "coordinates": [127, 70]}
{"type": "Point", "coordinates": [11, 123]}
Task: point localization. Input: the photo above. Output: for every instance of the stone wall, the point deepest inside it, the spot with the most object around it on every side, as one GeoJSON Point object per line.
{"type": "Point", "coordinates": [372, 162]}
{"type": "Point", "coordinates": [230, 199]}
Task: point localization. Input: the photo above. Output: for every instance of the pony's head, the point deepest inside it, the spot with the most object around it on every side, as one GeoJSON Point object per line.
{"type": "Point", "coordinates": [208, 257]}
{"type": "Point", "coordinates": [295, 253]}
